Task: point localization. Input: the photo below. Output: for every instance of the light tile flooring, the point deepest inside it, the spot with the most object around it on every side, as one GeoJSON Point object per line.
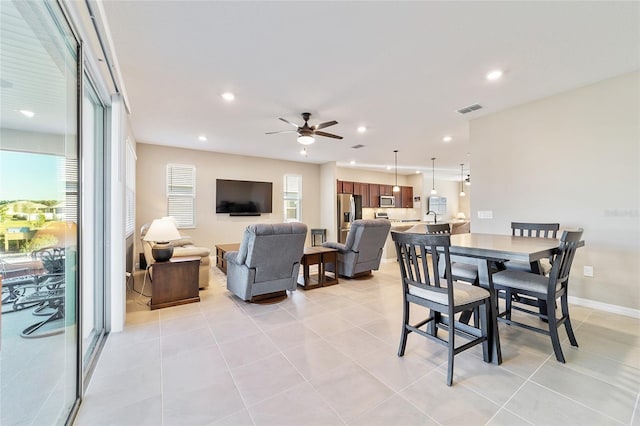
{"type": "Point", "coordinates": [328, 357]}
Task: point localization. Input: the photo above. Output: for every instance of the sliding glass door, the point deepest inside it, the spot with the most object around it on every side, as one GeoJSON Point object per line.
{"type": "Point", "coordinates": [93, 230]}
{"type": "Point", "coordinates": [40, 214]}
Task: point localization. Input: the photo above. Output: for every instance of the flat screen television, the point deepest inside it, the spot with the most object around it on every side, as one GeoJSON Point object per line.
{"type": "Point", "coordinates": [243, 197]}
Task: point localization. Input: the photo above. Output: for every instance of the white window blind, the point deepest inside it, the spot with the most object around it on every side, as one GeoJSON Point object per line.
{"type": "Point", "coordinates": [130, 187]}
{"type": "Point", "coordinates": [70, 208]}
{"type": "Point", "coordinates": [181, 194]}
{"type": "Point", "coordinates": [292, 198]}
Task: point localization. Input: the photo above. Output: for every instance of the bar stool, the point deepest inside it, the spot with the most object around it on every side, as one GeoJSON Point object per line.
{"type": "Point", "coordinates": [318, 232]}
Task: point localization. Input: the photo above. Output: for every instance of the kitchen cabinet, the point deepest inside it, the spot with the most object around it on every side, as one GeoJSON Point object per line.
{"type": "Point", "coordinates": [362, 189]}
{"type": "Point", "coordinates": [386, 190]}
{"type": "Point", "coordinates": [406, 195]}
{"type": "Point", "coordinates": [371, 193]}
{"type": "Point", "coordinates": [398, 197]}
{"type": "Point", "coordinates": [374, 195]}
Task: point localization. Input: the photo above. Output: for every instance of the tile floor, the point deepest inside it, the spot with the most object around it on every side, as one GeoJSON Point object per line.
{"type": "Point", "coordinates": [328, 357]}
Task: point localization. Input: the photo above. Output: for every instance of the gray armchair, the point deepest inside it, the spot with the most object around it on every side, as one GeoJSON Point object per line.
{"type": "Point", "coordinates": [268, 260]}
{"type": "Point", "coordinates": [362, 251]}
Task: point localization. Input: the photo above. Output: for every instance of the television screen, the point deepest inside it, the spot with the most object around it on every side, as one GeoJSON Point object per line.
{"type": "Point", "coordinates": [243, 197]}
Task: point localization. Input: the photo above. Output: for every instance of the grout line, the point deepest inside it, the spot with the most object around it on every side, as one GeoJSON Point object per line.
{"type": "Point", "coordinates": [576, 402]}
{"type": "Point", "coordinates": [635, 409]}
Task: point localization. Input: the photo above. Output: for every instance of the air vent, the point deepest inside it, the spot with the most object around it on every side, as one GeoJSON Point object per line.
{"type": "Point", "coordinates": [358, 146]}
{"type": "Point", "coordinates": [469, 109]}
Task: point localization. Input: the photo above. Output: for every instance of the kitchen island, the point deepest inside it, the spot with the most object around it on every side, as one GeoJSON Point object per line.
{"type": "Point", "coordinates": [389, 251]}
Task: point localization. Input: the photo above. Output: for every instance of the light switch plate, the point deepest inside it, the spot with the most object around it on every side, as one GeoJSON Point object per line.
{"type": "Point", "coordinates": [485, 214]}
{"type": "Point", "coordinates": [588, 271]}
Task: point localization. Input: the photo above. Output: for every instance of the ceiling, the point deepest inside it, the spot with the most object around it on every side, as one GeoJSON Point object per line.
{"type": "Point", "coordinates": [401, 69]}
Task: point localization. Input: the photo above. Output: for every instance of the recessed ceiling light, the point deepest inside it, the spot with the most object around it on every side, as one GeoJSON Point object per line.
{"type": "Point", "coordinates": [494, 75]}
{"type": "Point", "coordinates": [417, 172]}
{"type": "Point", "coordinates": [362, 129]}
{"type": "Point", "coordinates": [388, 167]}
{"type": "Point", "coordinates": [447, 139]}
{"type": "Point", "coordinates": [228, 96]}
{"type": "Point", "coordinates": [202, 138]}
{"type": "Point", "coordinates": [352, 162]}
{"type": "Point", "coordinates": [27, 113]}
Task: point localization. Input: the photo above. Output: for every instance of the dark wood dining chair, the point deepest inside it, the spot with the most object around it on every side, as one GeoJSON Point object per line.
{"type": "Point", "coordinates": [531, 230]}
{"type": "Point", "coordinates": [444, 297]}
{"type": "Point", "coordinates": [459, 271]}
{"type": "Point", "coordinates": [548, 289]}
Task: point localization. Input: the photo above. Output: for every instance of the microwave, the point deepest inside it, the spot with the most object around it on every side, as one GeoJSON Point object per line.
{"type": "Point", "coordinates": [387, 201]}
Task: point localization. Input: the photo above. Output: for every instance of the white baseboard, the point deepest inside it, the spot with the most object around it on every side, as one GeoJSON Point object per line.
{"type": "Point", "coordinates": [607, 307]}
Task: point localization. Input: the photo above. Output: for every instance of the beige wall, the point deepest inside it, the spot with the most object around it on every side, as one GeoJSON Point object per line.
{"type": "Point", "coordinates": [212, 228]}
{"type": "Point", "coordinates": [572, 158]}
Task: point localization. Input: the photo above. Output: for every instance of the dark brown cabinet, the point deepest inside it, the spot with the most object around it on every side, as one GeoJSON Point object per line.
{"type": "Point", "coordinates": [386, 190]}
{"type": "Point", "coordinates": [406, 193]}
{"type": "Point", "coordinates": [371, 193]}
{"type": "Point", "coordinates": [362, 189]}
{"type": "Point", "coordinates": [374, 195]}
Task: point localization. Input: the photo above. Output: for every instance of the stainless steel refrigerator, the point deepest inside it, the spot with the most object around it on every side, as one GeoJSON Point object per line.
{"type": "Point", "coordinates": [349, 209]}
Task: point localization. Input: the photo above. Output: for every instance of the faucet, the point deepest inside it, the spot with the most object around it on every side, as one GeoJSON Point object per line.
{"type": "Point", "coordinates": [435, 216]}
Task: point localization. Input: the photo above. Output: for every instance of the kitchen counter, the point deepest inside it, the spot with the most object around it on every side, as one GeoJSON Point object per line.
{"type": "Point", "coordinates": [420, 227]}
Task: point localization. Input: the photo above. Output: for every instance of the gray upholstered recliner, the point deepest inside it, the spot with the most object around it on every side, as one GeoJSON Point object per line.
{"type": "Point", "coordinates": [362, 251]}
{"type": "Point", "coordinates": [268, 260]}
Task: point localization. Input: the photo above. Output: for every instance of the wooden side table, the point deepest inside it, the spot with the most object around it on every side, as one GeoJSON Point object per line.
{"type": "Point", "coordinates": [318, 256]}
{"type": "Point", "coordinates": [175, 282]}
{"type": "Point", "coordinates": [221, 249]}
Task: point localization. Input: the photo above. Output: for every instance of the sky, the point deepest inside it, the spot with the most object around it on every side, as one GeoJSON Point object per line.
{"type": "Point", "coordinates": [27, 176]}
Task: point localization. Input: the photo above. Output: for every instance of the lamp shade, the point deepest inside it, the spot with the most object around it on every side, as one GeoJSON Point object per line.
{"type": "Point", "coordinates": [161, 233]}
{"type": "Point", "coordinates": [162, 230]}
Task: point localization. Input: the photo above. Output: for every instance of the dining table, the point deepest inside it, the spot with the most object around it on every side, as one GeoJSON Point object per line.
{"type": "Point", "coordinates": [486, 250]}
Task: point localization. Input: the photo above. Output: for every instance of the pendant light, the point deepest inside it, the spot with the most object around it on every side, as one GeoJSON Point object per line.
{"type": "Point", "coordinates": [433, 176]}
{"type": "Point", "coordinates": [462, 194]}
{"type": "Point", "coordinates": [396, 188]}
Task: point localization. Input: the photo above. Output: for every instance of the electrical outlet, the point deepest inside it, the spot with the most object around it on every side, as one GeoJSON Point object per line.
{"type": "Point", "coordinates": [588, 271]}
{"type": "Point", "coordinates": [485, 214]}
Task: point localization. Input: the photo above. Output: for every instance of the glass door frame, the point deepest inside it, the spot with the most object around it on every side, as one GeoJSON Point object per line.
{"type": "Point", "coordinates": [100, 201]}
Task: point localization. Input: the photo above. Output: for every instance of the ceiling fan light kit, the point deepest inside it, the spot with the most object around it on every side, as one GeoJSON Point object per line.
{"type": "Point", "coordinates": [306, 140]}
{"type": "Point", "coordinates": [305, 132]}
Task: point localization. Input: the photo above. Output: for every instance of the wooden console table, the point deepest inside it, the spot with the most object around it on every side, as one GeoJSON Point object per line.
{"type": "Point", "coordinates": [175, 282]}
{"type": "Point", "coordinates": [318, 256]}
{"type": "Point", "coordinates": [221, 249]}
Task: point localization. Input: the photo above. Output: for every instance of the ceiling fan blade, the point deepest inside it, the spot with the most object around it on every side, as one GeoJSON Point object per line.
{"type": "Point", "coordinates": [288, 122]}
{"type": "Point", "coordinates": [325, 124]}
{"type": "Point", "coordinates": [284, 131]}
{"type": "Point", "coordinates": [329, 135]}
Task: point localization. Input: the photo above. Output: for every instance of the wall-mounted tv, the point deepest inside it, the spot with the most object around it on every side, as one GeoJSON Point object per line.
{"type": "Point", "coordinates": [243, 198]}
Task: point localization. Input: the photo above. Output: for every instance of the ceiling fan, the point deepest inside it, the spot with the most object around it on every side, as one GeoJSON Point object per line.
{"type": "Point", "coordinates": [306, 132]}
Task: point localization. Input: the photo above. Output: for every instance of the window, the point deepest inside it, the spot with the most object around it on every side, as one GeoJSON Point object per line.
{"type": "Point", "coordinates": [292, 198]}
{"type": "Point", "coordinates": [130, 223]}
{"type": "Point", "coordinates": [181, 194]}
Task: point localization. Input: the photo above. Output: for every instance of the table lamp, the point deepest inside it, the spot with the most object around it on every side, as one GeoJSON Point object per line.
{"type": "Point", "coordinates": [161, 233]}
